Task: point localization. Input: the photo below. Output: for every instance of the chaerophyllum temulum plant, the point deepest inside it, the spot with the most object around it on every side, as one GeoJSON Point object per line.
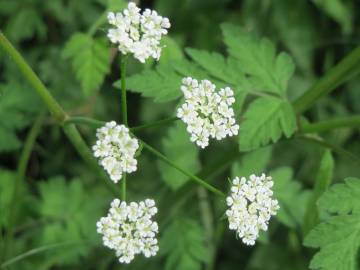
{"type": "Point", "coordinates": [239, 100]}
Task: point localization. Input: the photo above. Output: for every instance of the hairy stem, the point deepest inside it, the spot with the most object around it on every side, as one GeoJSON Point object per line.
{"type": "Point", "coordinates": [81, 147]}
{"type": "Point", "coordinates": [332, 79]}
{"type": "Point", "coordinates": [97, 123]}
{"type": "Point", "coordinates": [335, 148]}
{"type": "Point", "coordinates": [349, 121]}
{"type": "Point", "coordinates": [21, 170]}
{"type": "Point", "coordinates": [35, 251]}
{"type": "Point", "coordinates": [84, 121]}
{"type": "Point", "coordinates": [123, 90]}
{"type": "Point", "coordinates": [54, 107]}
{"type": "Point", "coordinates": [208, 223]}
{"type": "Point", "coordinates": [155, 124]}
{"type": "Point", "coordinates": [175, 166]}
{"type": "Point", "coordinates": [94, 27]}
{"type": "Point", "coordinates": [124, 114]}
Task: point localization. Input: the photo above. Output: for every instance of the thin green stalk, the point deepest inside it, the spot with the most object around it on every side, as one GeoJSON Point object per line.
{"type": "Point", "coordinates": [123, 90]}
{"type": "Point", "coordinates": [75, 138]}
{"type": "Point", "coordinates": [97, 123]}
{"type": "Point", "coordinates": [332, 79]}
{"type": "Point", "coordinates": [335, 148]}
{"type": "Point", "coordinates": [33, 252]}
{"type": "Point", "coordinates": [123, 187]}
{"type": "Point", "coordinates": [54, 107]}
{"type": "Point", "coordinates": [124, 114]}
{"type": "Point", "coordinates": [208, 223]}
{"type": "Point", "coordinates": [349, 121]}
{"type": "Point", "coordinates": [176, 199]}
{"type": "Point", "coordinates": [21, 170]}
{"type": "Point", "coordinates": [84, 121]}
{"type": "Point", "coordinates": [155, 124]}
{"type": "Point", "coordinates": [191, 176]}
{"type": "Point", "coordinates": [100, 21]}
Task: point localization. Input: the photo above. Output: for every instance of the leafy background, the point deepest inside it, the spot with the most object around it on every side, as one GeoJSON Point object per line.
{"type": "Point", "coordinates": [269, 52]}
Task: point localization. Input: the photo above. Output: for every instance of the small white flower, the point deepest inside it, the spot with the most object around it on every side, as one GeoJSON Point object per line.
{"type": "Point", "coordinates": [251, 206]}
{"type": "Point", "coordinates": [129, 230]}
{"type": "Point", "coordinates": [137, 33]}
{"type": "Point", "coordinates": [116, 149]}
{"type": "Point", "coordinates": [208, 114]}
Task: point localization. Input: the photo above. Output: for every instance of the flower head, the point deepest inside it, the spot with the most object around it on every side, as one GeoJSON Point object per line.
{"type": "Point", "coordinates": [116, 150]}
{"type": "Point", "coordinates": [137, 33]}
{"type": "Point", "coordinates": [207, 113]}
{"type": "Point", "coordinates": [129, 230]}
{"type": "Point", "coordinates": [251, 206]}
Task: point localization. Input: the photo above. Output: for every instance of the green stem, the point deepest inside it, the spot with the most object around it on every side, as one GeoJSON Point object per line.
{"type": "Point", "coordinates": [84, 121]}
{"type": "Point", "coordinates": [191, 176]}
{"type": "Point", "coordinates": [123, 90]}
{"type": "Point", "coordinates": [350, 121]}
{"type": "Point", "coordinates": [124, 114]}
{"type": "Point", "coordinates": [208, 223]}
{"type": "Point", "coordinates": [335, 148]}
{"type": "Point", "coordinates": [54, 107]}
{"type": "Point", "coordinates": [33, 252]}
{"type": "Point", "coordinates": [176, 199]}
{"type": "Point", "coordinates": [123, 187]}
{"type": "Point", "coordinates": [20, 178]}
{"type": "Point", "coordinates": [81, 147]}
{"type": "Point", "coordinates": [155, 124]}
{"type": "Point", "coordinates": [100, 21]}
{"type": "Point", "coordinates": [96, 123]}
{"type": "Point", "coordinates": [332, 79]}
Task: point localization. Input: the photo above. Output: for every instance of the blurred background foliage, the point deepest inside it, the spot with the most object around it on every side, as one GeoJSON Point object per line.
{"type": "Point", "coordinates": [65, 43]}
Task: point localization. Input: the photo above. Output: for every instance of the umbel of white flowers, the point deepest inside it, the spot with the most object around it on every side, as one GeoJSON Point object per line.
{"type": "Point", "coordinates": [251, 206]}
{"type": "Point", "coordinates": [207, 113]}
{"type": "Point", "coordinates": [129, 230]}
{"type": "Point", "coordinates": [136, 33]}
{"type": "Point", "coordinates": [116, 150]}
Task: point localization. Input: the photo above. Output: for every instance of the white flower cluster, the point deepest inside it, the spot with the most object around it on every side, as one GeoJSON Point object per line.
{"type": "Point", "coordinates": [129, 230]}
{"type": "Point", "coordinates": [116, 150]}
{"type": "Point", "coordinates": [136, 33]}
{"type": "Point", "coordinates": [251, 206]}
{"type": "Point", "coordinates": [207, 113]}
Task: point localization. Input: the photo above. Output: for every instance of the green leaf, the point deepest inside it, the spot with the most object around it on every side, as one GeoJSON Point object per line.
{"type": "Point", "coordinates": [338, 236]}
{"type": "Point", "coordinates": [215, 64]}
{"type": "Point", "coordinates": [161, 84]}
{"type": "Point", "coordinates": [339, 10]}
{"type": "Point", "coordinates": [266, 120]}
{"type": "Point", "coordinates": [17, 107]}
{"type": "Point", "coordinates": [183, 244]}
{"type": "Point", "coordinates": [90, 60]}
{"type": "Point", "coordinates": [254, 162]}
{"type": "Point", "coordinates": [178, 148]}
{"type": "Point", "coordinates": [73, 214]}
{"type": "Point", "coordinates": [342, 198]}
{"type": "Point", "coordinates": [292, 198]}
{"type": "Point", "coordinates": [322, 182]}
{"type": "Point", "coordinates": [171, 50]}
{"type": "Point", "coordinates": [266, 70]}
{"type": "Point", "coordinates": [25, 24]}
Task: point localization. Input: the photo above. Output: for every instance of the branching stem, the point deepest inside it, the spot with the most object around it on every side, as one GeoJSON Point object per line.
{"type": "Point", "coordinates": [175, 166]}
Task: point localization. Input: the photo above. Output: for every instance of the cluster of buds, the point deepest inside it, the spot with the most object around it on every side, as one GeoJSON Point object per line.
{"type": "Point", "coordinates": [116, 150]}
{"type": "Point", "coordinates": [207, 113]}
{"type": "Point", "coordinates": [129, 230]}
{"type": "Point", "coordinates": [137, 33]}
{"type": "Point", "coordinates": [251, 206]}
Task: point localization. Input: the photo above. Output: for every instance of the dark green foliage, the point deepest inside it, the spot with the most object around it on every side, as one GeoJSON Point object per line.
{"type": "Point", "coordinates": [268, 52]}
